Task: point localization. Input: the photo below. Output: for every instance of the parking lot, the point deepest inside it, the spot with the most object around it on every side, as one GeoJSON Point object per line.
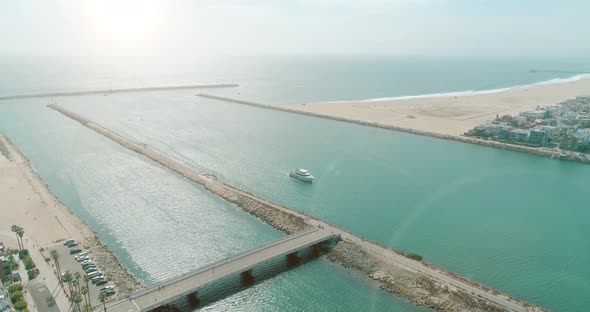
{"type": "Point", "coordinates": [68, 263]}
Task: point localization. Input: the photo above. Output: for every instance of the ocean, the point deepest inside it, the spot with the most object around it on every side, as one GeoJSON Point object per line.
{"type": "Point", "coordinates": [513, 221]}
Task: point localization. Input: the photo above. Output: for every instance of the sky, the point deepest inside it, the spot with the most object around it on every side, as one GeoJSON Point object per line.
{"type": "Point", "coordinates": [173, 28]}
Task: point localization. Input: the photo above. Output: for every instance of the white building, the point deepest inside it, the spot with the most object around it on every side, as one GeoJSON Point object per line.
{"type": "Point", "coordinates": [550, 131]}
{"type": "Point", "coordinates": [532, 115]}
{"type": "Point", "coordinates": [518, 135]}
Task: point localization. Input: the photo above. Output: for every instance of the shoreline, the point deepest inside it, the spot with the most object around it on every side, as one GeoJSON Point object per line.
{"type": "Point", "coordinates": [571, 156]}
{"type": "Point", "coordinates": [66, 225]}
{"type": "Point", "coordinates": [452, 113]}
{"type": "Point", "coordinates": [419, 283]}
{"type": "Point", "coordinates": [555, 81]}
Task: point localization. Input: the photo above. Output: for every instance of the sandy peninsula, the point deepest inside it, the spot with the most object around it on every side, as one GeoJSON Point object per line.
{"type": "Point", "coordinates": [449, 115]}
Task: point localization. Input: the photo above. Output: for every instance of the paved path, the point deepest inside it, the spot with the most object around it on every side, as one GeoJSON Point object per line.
{"type": "Point", "coordinates": [47, 275]}
{"type": "Point", "coordinates": [40, 294]}
{"type": "Point", "coordinates": [167, 291]}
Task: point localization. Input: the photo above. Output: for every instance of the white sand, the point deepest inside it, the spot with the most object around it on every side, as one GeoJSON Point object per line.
{"type": "Point", "coordinates": [449, 114]}
{"type": "Point", "coordinates": [26, 202]}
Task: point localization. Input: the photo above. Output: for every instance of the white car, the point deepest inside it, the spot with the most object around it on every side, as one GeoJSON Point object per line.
{"type": "Point", "coordinates": [94, 274]}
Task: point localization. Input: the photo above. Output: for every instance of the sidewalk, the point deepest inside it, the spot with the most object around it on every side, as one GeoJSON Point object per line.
{"type": "Point", "coordinates": [47, 275]}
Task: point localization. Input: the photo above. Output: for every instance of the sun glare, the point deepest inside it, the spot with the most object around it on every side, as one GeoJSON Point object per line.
{"type": "Point", "coordinates": [124, 21]}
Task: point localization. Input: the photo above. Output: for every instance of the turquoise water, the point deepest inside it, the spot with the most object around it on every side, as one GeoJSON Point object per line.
{"type": "Point", "coordinates": [516, 222]}
{"type": "Point", "coordinates": [161, 225]}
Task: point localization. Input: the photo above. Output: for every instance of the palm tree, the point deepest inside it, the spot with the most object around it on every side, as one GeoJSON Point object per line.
{"type": "Point", "coordinates": [103, 300]}
{"type": "Point", "coordinates": [77, 286]}
{"type": "Point", "coordinates": [68, 279]}
{"type": "Point", "coordinates": [87, 279]}
{"type": "Point", "coordinates": [20, 233]}
{"type": "Point", "coordinates": [16, 229]}
{"type": "Point", "coordinates": [84, 292]}
{"type": "Point", "coordinates": [55, 257]}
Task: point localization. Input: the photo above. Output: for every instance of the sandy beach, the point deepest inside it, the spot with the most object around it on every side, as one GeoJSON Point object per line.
{"type": "Point", "coordinates": [26, 202]}
{"type": "Point", "coordinates": [449, 115]}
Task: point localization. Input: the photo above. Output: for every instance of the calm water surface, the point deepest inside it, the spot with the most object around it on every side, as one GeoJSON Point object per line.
{"type": "Point", "coordinates": [516, 222]}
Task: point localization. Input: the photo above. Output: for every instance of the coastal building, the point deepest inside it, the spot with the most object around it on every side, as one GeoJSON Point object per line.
{"type": "Point", "coordinates": [583, 135]}
{"type": "Point", "coordinates": [520, 121]}
{"type": "Point", "coordinates": [518, 135]}
{"type": "Point", "coordinates": [566, 129]}
{"type": "Point", "coordinates": [532, 115]}
{"type": "Point", "coordinates": [495, 128]}
{"type": "Point", "coordinates": [537, 136]}
{"type": "Point", "coordinates": [550, 131]}
{"type": "Point", "coordinates": [569, 118]}
{"type": "Point", "coordinates": [584, 121]}
{"type": "Point", "coordinates": [5, 305]}
{"type": "Point", "coordinates": [550, 111]}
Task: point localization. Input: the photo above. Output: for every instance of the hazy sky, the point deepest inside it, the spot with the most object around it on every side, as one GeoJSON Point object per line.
{"type": "Point", "coordinates": [405, 27]}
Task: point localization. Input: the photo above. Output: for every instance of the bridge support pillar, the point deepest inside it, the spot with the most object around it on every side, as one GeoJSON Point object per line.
{"type": "Point", "coordinates": [293, 259]}
{"type": "Point", "coordinates": [193, 300]}
{"type": "Point", "coordinates": [247, 278]}
{"type": "Point", "coordinates": [318, 249]}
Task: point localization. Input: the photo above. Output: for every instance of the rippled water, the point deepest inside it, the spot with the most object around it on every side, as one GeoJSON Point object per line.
{"type": "Point", "coordinates": [513, 221]}
{"type": "Point", "coordinates": [161, 225]}
{"type": "Point", "coordinates": [506, 219]}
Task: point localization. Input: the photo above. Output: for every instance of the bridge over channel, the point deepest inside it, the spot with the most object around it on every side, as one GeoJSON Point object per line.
{"type": "Point", "coordinates": [183, 293]}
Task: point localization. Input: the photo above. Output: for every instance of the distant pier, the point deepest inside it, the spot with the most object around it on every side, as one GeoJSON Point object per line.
{"type": "Point", "coordinates": [109, 91]}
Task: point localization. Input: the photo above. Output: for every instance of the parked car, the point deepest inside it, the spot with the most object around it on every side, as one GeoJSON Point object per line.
{"type": "Point", "coordinates": [108, 291]}
{"type": "Point", "coordinates": [96, 279]}
{"type": "Point", "coordinates": [75, 251]}
{"type": "Point", "coordinates": [90, 269]}
{"type": "Point", "coordinates": [82, 259]}
{"type": "Point", "coordinates": [94, 274]}
{"type": "Point", "coordinates": [82, 254]}
{"type": "Point", "coordinates": [74, 244]}
{"type": "Point", "coordinates": [87, 261]}
{"type": "Point", "coordinates": [87, 265]}
{"type": "Point", "coordinates": [101, 281]}
{"type": "Point", "coordinates": [69, 241]}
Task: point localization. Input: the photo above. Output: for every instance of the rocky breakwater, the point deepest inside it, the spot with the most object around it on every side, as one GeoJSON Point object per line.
{"type": "Point", "coordinates": [280, 220]}
{"type": "Point", "coordinates": [108, 262]}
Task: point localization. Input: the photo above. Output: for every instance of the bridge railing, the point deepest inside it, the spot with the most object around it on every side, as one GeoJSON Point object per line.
{"type": "Point", "coordinates": [210, 266]}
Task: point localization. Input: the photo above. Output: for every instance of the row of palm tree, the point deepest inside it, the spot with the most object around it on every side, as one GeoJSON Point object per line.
{"type": "Point", "coordinates": [79, 294]}
{"type": "Point", "coordinates": [19, 231]}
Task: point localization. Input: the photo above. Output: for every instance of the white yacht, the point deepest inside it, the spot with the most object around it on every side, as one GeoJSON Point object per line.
{"type": "Point", "coordinates": [302, 174]}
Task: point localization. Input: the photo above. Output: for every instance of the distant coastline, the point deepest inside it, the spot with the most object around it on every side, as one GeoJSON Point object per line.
{"type": "Point", "coordinates": [431, 116]}
{"type": "Point", "coordinates": [555, 81]}
{"type": "Point", "coordinates": [120, 90]}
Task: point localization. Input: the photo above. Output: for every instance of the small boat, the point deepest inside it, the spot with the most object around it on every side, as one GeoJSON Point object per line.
{"type": "Point", "coordinates": [302, 175]}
